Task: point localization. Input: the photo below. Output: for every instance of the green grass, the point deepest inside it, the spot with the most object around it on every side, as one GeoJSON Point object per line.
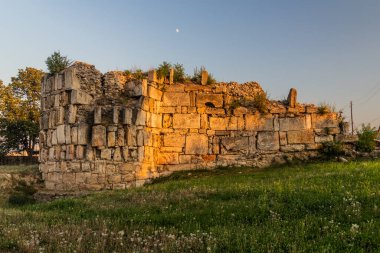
{"type": "Point", "coordinates": [320, 207]}
{"type": "Point", "coordinates": [19, 168]}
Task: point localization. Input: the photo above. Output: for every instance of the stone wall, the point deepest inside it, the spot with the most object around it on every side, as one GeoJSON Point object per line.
{"type": "Point", "coordinates": [112, 131]}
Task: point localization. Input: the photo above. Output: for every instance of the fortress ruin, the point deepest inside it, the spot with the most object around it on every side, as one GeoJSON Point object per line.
{"type": "Point", "coordinates": [110, 131]}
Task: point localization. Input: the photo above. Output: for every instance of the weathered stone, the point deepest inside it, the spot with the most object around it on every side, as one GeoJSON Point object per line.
{"type": "Point", "coordinates": [346, 138]}
{"type": "Point", "coordinates": [115, 115]}
{"type": "Point", "coordinates": [293, 148]}
{"type": "Point", "coordinates": [176, 99]}
{"type": "Point", "coordinates": [141, 118]}
{"type": "Point", "coordinates": [83, 134]}
{"type": "Point", "coordinates": [67, 134]}
{"type": "Point", "coordinates": [204, 77]}
{"type": "Point", "coordinates": [71, 80]}
{"type": "Point", "coordinates": [120, 137]}
{"type": "Point", "coordinates": [71, 114]}
{"type": "Point", "coordinates": [98, 136]}
{"type": "Point", "coordinates": [323, 121]}
{"type": "Point", "coordinates": [290, 124]}
{"type": "Point", "coordinates": [258, 123]}
{"type": "Point", "coordinates": [79, 152]}
{"type": "Point", "coordinates": [61, 138]}
{"type": "Point", "coordinates": [300, 137]}
{"type": "Point", "coordinates": [127, 116]}
{"type": "Point", "coordinates": [111, 139]}
{"type": "Point", "coordinates": [196, 144]}
{"type": "Point", "coordinates": [292, 98]}
{"type": "Point", "coordinates": [235, 144]}
{"type": "Point", "coordinates": [152, 76]}
{"type": "Point", "coordinates": [186, 121]}
{"type": "Point", "coordinates": [105, 154]}
{"type": "Point", "coordinates": [323, 138]}
{"type": "Point", "coordinates": [209, 100]}
{"type": "Point", "coordinates": [154, 93]}
{"type": "Point", "coordinates": [167, 158]}
{"type": "Point", "coordinates": [268, 141]}
{"type": "Point", "coordinates": [174, 140]}
{"type": "Point", "coordinates": [80, 98]}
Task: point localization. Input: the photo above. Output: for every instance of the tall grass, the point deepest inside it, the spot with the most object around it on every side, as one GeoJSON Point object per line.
{"type": "Point", "coordinates": [322, 207]}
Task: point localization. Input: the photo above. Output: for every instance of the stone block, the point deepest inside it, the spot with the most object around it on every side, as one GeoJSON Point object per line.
{"type": "Point", "coordinates": [117, 156]}
{"type": "Point", "coordinates": [218, 123]}
{"type": "Point", "coordinates": [323, 138]}
{"type": "Point", "coordinates": [79, 152]}
{"type": "Point", "coordinates": [167, 158]}
{"type": "Point", "coordinates": [61, 138]}
{"type": "Point", "coordinates": [152, 76]}
{"type": "Point", "coordinates": [141, 118]}
{"type": "Point", "coordinates": [67, 134]}
{"type": "Point", "coordinates": [111, 139]}
{"type": "Point", "coordinates": [120, 141]}
{"type": "Point", "coordinates": [176, 99]}
{"type": "Point", "coordinates": [293, 148]}
{"type": "Point", "coordinates": [137, 88]}
{"type": "Point", "coordinates": [154, 93]}
{"type": "Point", "coordinates": [52, 138]}
{"type": "Point", "coordinates": [174, 140]}
{"type": "Point", "coordinates": [131, 136]}
{"type": "Point", "coordinates": [235, 144]}
{"type": "Point", "coordinates": [292, 98]}
{"type": "Point", "coordinates": [258, 123]}
{"type": "Point", "coordinates": [127, 116]}
{"type": "Point", "coordinates": [71, 80]}
{"type": "Point", "coordinates": [171, 76]}
{"type": "Point", "coordinates": [60, 114]}
{"type": "Point", "coordinates": [204, 77]}
{"type": "Point", "coordinates": [196, 144]}
{"type": "Point", "coordinates": [209, 100]}
{"type": "Point", "coordinates": [83, 134]}
{"type": "Point", "coordinates": [283, 138]}
{"type": "Point", "coordinates": [300, 137]}
{"type": "Point", "coordinates": [80, 98]}
{"type": "Point", "coordinates": [291, 124]}
{"type": "Point", "coordinates": [346, 138]}
{"type": "Point", "coordinates": [186, 121]}
{"type": "Point", "coordinates": [167, 120]}
{"type": "Point", "coordinates": [268, 141]}
{"type": "Point", "coordinates": [115, 114]}
{"type": "Point", "coordinates": [105, 154]}
{"type": "Point", "coordinates": [71, 114]}
{"type": "Point", "coordinates": [98, 136]}
{"type": "Point", "coordinates": [323, 121]}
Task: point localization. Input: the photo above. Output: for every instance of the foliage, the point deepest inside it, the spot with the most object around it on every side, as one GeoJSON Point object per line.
{"type": "Point", "coordinates": [22, 194]}
{"type": "Point", "coordinates": [332, 148]}
{"type": "Point", "coordinates": [179, 73]}
{"type": "Point", "coordinates": [197, 76]}
{"type": "Point", "coordinates": [163, 70]}
{"type": "Point", "coordinates": [318, 207]}
{"type": "Point", "coordinates": [324, 108]}
{"type": "Point", "coordinates": [260, 102]}
{"type": "Point", "coordinates": [367, 136]}
{"type": "Point", "coordinates": [20, 110]}
{"type": "Point", "coordinates": [138, 74]}
{"type": "Point", "coordinates": [56, 63]}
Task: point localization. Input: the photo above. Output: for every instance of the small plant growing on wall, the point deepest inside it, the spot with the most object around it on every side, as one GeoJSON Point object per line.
{"type": "Point", "coordinates": [367, 136]}
{"type": "Point", "coordinates": [260, 102]}
{"type": "Point", "coordinates": [324, 108]}
{"type": "Point", "coordinates": [56, 63]}
{"type": "Point", "coordinates": [197, 76]}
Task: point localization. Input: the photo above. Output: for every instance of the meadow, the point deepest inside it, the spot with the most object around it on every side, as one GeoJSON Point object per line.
{"type": "Point", "coordinates": [316, 207]}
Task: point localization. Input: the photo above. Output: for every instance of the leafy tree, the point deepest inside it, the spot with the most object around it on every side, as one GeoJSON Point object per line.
{"type": "Point", "coordinates": [163, 70]}
{"type": "Point", "coordinates": [20, 111]}
{"type": "Point", "coordinates": [367, 136]}
{"type": "Point", "coordinates": [56, 63]}
{"type": "Point", "coordinates": [179, 73]}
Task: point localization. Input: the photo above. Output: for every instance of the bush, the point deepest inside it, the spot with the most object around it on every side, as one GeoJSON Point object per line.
{"type": "Point", "coordinates": [367, 136]}
{"type": "Point", "coordinates": [260, 102]}
{"type": "Point", "coordinates": [332, 148]}
{"type": "Point", "coordinates": [325, 108]}
{"type": "Point", "coordinates": [163, 70]}
{"type": "Point", "coordinates": [197, 76]}
{"type": "Point", "coordinates": [56, 63]}
{"type": "Point", "coordinates": [22, 194]}
{"type": "Point", "coordinates": [179, 73]}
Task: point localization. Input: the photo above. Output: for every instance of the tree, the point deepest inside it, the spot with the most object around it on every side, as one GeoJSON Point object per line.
{"type": "Point", "coordinates": [56, 63]}
{"type": "Point", "coordinates": [179, 73]}
{"type": "Point", "coordinates": [163, 70]}
{"type": "Point", "coordinates": [20, 111]}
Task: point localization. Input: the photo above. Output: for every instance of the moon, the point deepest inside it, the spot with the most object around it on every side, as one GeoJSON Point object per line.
{"type": "Point", "coordinates": [177, 30]}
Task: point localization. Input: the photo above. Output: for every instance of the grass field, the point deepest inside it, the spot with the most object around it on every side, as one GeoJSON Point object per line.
{"type": "Point", "coordinates": [321, 207]}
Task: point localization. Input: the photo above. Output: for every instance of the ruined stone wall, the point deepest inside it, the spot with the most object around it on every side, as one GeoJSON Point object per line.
{"type": "Point", "coordinates": [112, 131]}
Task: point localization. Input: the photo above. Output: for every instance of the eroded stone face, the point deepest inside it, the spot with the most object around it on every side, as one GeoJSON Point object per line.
{"type": "Point", "coordinates": [291, 124]}
{"type": "Point", "coordinates": [176, 99]}
{"type": "Point", "coordinates": [298, 137]}
{"type": "Point", "coordinates": [186, 121]}
{"type": "Point", "coordinates": [98, 136]}
{"type": "Point", "coordinates": [196, 144]}
{"type": "Point", "coordinates": [268, 141]}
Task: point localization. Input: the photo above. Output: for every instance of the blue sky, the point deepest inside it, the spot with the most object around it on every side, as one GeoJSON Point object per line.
{"type": "Point", "coordinates": [328, 49]}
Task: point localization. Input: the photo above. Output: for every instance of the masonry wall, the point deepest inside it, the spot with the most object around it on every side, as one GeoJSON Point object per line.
{"type": "Point", "coordinates": [111, 131]}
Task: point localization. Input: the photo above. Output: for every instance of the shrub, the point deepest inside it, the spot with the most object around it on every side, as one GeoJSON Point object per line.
{"type": "Point", "coordinates": [56, 63]}
{"type": "Point", "coordinates": [163, 70]}
{"type": "Point", "coordinates": [179, 73]}
{"type": "Point", "coordinates": [332, 148]}
{"type": "Point", "coordinates": [138, 74]}
{"type": "Point", "coordinates": [197, 76]}
{"type": "Point", "coordinates": [367, 136]}
{"type": "Point", "coordinates": [22, 194]}
{"type": "Point", "coordinates": [325, 108]}
{"type": "Point", "coordinates": [260, 102]}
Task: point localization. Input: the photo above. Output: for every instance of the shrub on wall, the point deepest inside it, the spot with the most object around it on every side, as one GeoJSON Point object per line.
{"type": "Point", "coordinates": [367, 136]}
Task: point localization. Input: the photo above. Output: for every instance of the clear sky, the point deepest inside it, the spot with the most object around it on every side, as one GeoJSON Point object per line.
{"type": "Point", "coordinates": [328, 49]}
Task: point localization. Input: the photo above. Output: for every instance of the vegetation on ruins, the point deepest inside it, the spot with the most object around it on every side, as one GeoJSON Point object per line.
{"type": "Point", "coordinates": [332, 148]}
{"type": "Point", "coordinates": [367, 136]}
{"type": "Point", "coordinates": [324, 108]}
{"type": "Point", "coordinates": [197, 76]}
{"type": "Point", "coordinates": [319, 207]}
{"type": "Point", "coordinates": [163, 71]}
{"type": "Point", "coordinates": [259, 101]}
{"type": "Point", "coordinates": [57, 62]}
{"type": "Point", "coordinates": [20, 111]}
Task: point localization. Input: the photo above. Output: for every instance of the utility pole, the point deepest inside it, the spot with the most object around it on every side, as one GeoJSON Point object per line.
{"type": "Point", "coordinates": [352, 120]}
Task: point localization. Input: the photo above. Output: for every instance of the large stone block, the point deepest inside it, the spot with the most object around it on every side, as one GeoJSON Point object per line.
{"type": "Point", "coordinates": [127, 116]}
{"type": "Point", "coordinates": [209, 100]}
{"type": "Point", "coordinates": [186, 121]}
{"type": "Point", "coordinates": [61, 139]}
{"type": "Point", "coordinates": [154, 93]}
{"type": "Point", "coordinates": [268, 141]}
{"type": "Point", "coordinates": [235, 144]}
{"type": "Point", "coordinates": [83, 134]}
{"type": "Point", "coordinates": [174, 140]}
{"type": "Point", "coordinates": [71, 80]}
{"type": "Point", "coordinates": [80, 97]}
{"type": "Point", "coordinates": [98, 136]}
{"type": "Point", "coordinates": [176, 99]}
{"type": "Point", "coordinates": [196, 144]}
{"type": "Point", "coordinates": [258, 123]}
{"type": "Point", "coordinates": [300, 137]}
{"type": "Point", "coordinates": [167, 158]}
{"type": "Point", "coordinates": [137, 88]}
{"type": "Point", "coordinates": [290, 124]}
{"type": "Point", "coordinates": [322, 121]}
{"type": "Point", "coordinates": [217, 123]}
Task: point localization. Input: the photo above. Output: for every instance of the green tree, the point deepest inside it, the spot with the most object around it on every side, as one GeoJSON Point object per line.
{"type": "Point", "coordinates": [20, 111]}
{"type": "Point", "coordinates": [179, 73]}
{"type": "Point", "coordinates": [163, 70]}
{"type": "Point", "coordinates": [366, 138]}
{"type": "Point", "coordinates": [56, 63]}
